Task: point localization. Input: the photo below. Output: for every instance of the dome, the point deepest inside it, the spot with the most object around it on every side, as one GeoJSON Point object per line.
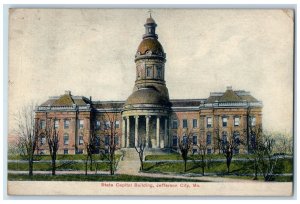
{"type": "Point", "coordinates": [150, 21]}
{"type": "Point", "coordinates": [146, 96]}
{"type": "Point", "coordinates": [150, 44]}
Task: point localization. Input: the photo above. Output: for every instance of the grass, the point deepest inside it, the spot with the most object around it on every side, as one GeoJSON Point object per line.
{"type": "Point", "coordinates": [59, 157]}
{"type": "Point", "coordinates": [81, 177]}
{"type": "Point", "coordinates": [75, 166]}
{"type": "Point", "coordinates": [177, 156]}
{"type": "Point", "coordinates": [238, 168]}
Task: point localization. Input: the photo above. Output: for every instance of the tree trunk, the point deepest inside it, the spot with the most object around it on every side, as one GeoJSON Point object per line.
{"type": "Point", "coordinates": [228, 165]}
{"type": "Point", "coordinates": [53, 167]}
{"type": "Point", "coordinates": [255, 170]}
{"type": "Point", "coordinates": [30, 163]}
{"type": "Point", "coordinates": [86, 164]}
{"type": "Point", "coordinates": [184, 165]}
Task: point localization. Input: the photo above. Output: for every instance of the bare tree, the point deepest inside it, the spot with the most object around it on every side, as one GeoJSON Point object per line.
{"type": "Point", "coordinates": [90, 145]}
{"type": "Point", "coordinates": [140, 150]}
{"type": "Point", "coordinates": [111, 142]}
{"type": "Point", "coordinates": [52, 137]}
{"type": "Point", "coordinates": [185, 145]}
{"type": "Point", "coordinates": [27, 132]}
{"type": "Point", "coordinates": [254, 148]}
{"type": "Point", "coordinates": [202, 147]}
{"type": "Point", "coordinates": [266, 159]}
{"type": "Point", "coordinates": [230, 143]}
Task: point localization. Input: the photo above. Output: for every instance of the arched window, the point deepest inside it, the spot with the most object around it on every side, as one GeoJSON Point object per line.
{"type": "Point", "coordinates": [208, 138]}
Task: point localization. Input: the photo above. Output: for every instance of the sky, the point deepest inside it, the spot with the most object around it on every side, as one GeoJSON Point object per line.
{"type": "Point", "coordinates": [91, 52]}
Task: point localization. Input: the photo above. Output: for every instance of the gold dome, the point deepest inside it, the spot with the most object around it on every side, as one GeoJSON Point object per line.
{"type": "Point", "coordinates": [150, 44]}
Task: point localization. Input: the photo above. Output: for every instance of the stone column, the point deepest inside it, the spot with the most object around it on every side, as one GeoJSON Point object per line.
{"type": "Point", "coordinates": [165, 141]}
{"type": "Point", "coordinates": [157, 131]}
{"type": "Point", "coordinates": [136, 133]}
{"type": "Point", "coordinates": [123, 133]}
{"type": "Point", "coordinates": [147, 130]}
{"type": "Point", "coordinates": [128, 131]}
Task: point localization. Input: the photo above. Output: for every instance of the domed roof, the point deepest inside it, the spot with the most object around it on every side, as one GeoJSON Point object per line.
{"type": "Point", "coordinates": [146, 96]}
{"type": "Point", "coordinates": [150, 44]}
{"type": "Point", "coordinates": [150, 20]}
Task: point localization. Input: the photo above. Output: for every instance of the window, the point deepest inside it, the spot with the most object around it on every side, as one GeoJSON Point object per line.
{"type": "Point", "coordinates": [106, 140]}
{"type": "Point", "coordinates": [80, 151]}
{"type": "Point", "coordinates": [98, 125]}
{"type": "Point", "coordinates": [236, 137]}
{"type": "Point", "coordinates": [81, 140]}
{"type": "Point", "coordinates": [42, 152]}
{"type": "Point", "coordinates": [194, 151]}
{"type": "Point", "coordinates": [80, 124]}
{"type": "Point", "coordinates": [148, 71]}
{"type": "Point", "coordinates": [195, 139]}
{"type": "Point", "coordinates": [97, 141]}
{"type": "Point", "coordinates": [184, 139]}
{"type": "Point", "coordinates": [209, 151]}
{"type": "Point", "coordinates": [174, 124]}
{"type": "Point", "coordinates": [236, 151]}
{"type": "Point", "coordinates": [208, 138]}
{"type": "Point", "coordinates": [158, 72]}
{"type": "Point", "coordinates": [253, 121]}
{"type": "Point", "coordinates": [116, 140]}
{"type": "Point", "coordinates": [253, 140]}
{"type": "Point", "coordinates": [66, 124]}
{"type": "Point", "coordinates": [56, 124]}
{"type": "Point", "coordinates": [66, 151]}
{"type": "Point", "coordinates": [195, 123]}
{"type": "Point", "coordinates": [43, 139]}
{"type": "Point", "coordinates": [107, 125]}
{"type": "Point", "coordinates": [184, 123]}
{"type": "Point", "coordinates": [236, 121]}
{"type": "Point", "coordinates": [224, 138]}
{"type": "Point", "coordinates": [66, 139]}
{"type": "Point", "coordinates": [175, 141]}
{"type": "Point", "coordinates": [224, 121]}
{"type": "Point", "coordinates": [209, 122]}
{"type": "Point", "coordinates": [43, 124]}
{"type": "Point", "coordinates": [117, 124]}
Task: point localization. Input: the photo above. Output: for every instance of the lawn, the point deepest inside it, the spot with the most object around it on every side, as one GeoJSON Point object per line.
{"type": "Point", "coordinates": [177, 156]}
{"type": "Point", "coordinates": [60, 157]}
{"type": "Point", "coordinates": [65, 166]}
{"type": "Point", "coordinates": [81, 177]}
{"type": "Point", "coordinates": [237, 168]}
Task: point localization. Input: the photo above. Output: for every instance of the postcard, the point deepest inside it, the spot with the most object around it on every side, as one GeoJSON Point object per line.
{"type": "Point", "coordinates": [162, 102]}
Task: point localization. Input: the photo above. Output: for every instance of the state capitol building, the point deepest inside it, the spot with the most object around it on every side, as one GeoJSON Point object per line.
{"type": "Point", "coordinates": [149, 115]}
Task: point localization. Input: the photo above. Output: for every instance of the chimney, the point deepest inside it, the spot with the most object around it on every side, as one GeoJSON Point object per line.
{"type": "Point", "coordinates": [67, 92]}
{"type": "Point", "coordinates": [229, 88]}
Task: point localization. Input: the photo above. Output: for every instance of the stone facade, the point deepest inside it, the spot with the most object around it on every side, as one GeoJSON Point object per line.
{"type": "Point", "coordinates": [148, 116]}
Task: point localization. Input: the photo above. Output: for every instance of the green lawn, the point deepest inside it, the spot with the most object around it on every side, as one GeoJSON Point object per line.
{"type": "Point", "coordinates": [60, 167]}
{"type": "Point", "coordinates": [81, 177]}
{"type": "Point", "coordinates": [236, 167]}
{"type": "Point", "coordinates": [60, 157]}
{"type": "Point", "coordinates": [177, 156]}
